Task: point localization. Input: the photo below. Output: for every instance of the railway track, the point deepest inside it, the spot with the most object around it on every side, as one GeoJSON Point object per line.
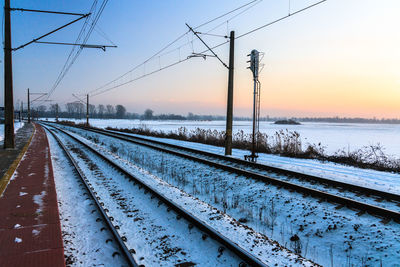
{"type": "Point", "coordinates": [92, 194]}
{"type": "Point", "coordinates": [293, 179]}
{"type": "Point", "coordinates": [73, 144]}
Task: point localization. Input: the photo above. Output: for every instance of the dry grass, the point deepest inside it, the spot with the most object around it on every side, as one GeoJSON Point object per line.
{"type": "Point", "coordinates": [285, 143]}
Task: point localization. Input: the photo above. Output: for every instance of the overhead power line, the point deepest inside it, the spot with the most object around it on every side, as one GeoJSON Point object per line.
{"type": "Point", "coordinates": [138, 66]}
{"type": "Point", "coordinates": [74, 55]}
{"type": "Point", "coordinates": [280, 19]}
{"type": "Point", "coordinates": [140, 77]}
{"type": "Point", "coordinates": [155, 71]}
{"type": "Point", "coordinates": [225, 14]}
{"type": "Point", "coordinates": [212, 29]}
{"type": "Point", "coordinates": [158, 53]}
{"type": "Point", "coordinates": [254, 3]}
{"type": "Point", "coordinates": [98, 91]}
{"type": "Point", "coordinates": [103, 34]}
{"type": "Point", "coordinates": [69, 62]}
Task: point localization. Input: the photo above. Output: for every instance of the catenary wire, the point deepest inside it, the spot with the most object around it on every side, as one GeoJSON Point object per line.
{"type": "Point", "coordinates": [280, 19]}
{"type": "Point", "coordinates": [221, 44]}
{"type": "Point", "coordinates": [169, 45]}
{"type": "Point", "coordinates": [68, 64]}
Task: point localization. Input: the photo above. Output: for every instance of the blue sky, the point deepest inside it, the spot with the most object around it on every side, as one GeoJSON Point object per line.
{"type": "Point", "coordinates": [339, 58]}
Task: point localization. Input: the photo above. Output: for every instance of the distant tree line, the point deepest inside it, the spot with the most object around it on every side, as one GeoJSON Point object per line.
{"type": "Point", "coordinates": [77, 110]}
{"type": "Point", "coordinates": [336, 120]}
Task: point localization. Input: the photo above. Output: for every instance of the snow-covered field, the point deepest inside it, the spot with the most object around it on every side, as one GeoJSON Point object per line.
{"type": "Point", "coordinates": [17, 125]}
{"type": "Point", "coordinates": [84, 240]}
{"type": "Point", "coordinates": [161, 225]}
{"type": "Point", "coordinates": [327, 235]}
{"type": "Point", "coordinates": [384, 181]}
{"type": "Point", "coordinates": [334, 136]}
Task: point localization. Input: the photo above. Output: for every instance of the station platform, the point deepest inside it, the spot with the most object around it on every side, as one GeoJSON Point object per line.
{"type": "Point", "coordinates": [30, 231]}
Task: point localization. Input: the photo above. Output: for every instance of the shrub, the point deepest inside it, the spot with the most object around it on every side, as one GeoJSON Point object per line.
{"type": "Point", "coordinates": [283, 142]}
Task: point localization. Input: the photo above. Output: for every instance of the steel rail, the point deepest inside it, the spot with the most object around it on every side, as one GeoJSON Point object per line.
{"type": "Point", "coordinates": [247, 257]}
{"type": "Point", "coordinates": [121, 243]}
{"type": "Point", "coordinates": [293, 174]}
{"type": "Point", "coordinates": [350, 203]}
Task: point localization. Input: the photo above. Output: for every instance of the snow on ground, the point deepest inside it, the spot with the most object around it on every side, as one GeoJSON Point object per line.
{"type": "Point", "coordinates": [379, 180]}
{"type": "Point", "coordinates": [268, 251]}
{"type": "Point", "coordinates": [151, 230]}
{"type": "Point", "coordinates": [335, 136]}
{"type": "Point", "coordinates": [326, 234]}
{"type": "Point", "coordinates": [17, 125]}
{"type": "Point", "coordinates": [84, 242]}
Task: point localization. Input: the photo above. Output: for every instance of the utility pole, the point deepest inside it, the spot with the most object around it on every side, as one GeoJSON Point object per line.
{"type": "Point", "coordinates": [20, 113]}
{"type": "Point", "coordinates": [255, 69]}
{"type": "Point", "coordinates": [29, 108]}
{"type": "Point", "coordinates": [56, 112]}
{"type": "Point", "coordinates": [22, 109]}
{"type": "Point", "coordinates": [87, 107]}
{"type": "Point", "coordinates": [229, 108]}
{"type": "Point", "coordinates": [229, 112]}
{"type": "Point", "coordinates": [9, 140]}
{"type": "Point", "coordinates": [87, 110]}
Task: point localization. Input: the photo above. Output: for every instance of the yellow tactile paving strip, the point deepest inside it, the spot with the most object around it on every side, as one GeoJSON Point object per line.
{"type": "Point", "coordinates": [7, 176]}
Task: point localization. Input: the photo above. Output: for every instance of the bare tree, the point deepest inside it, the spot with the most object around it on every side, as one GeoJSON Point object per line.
{"type": "Point", "coordinates": [41, 110]}
{"type": "Point", "coordinates": [92, 110]}
{"type": "Point", "coordinates": [53, 109]}
{"type": "Point", "coordinates": [148, 114]}
{"type": "Point", "coordinates": [80, 107]}
{"type": "Point", "coordinates": [70, 109]}
{"type": "Point", "coordinates": [100, 110]}
{"type": "Point", "coordinates": [120, 111]}
{"type": "Point", "coordinates": [110, 111]}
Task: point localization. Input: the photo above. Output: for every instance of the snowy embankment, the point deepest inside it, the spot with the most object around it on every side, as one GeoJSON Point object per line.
{"type": "Point", "coordinates": [385, 181]}
{"type": "Point", "coordinates": [268, 251]}
{"type": "Point", "coordinates": [17, 125]}
{"type": "Point", "coordinates": [324, 232]}
{"type": "Point", "coordinates": [333, 136]}
{"type": "Point", "coordinates": [85, 242]}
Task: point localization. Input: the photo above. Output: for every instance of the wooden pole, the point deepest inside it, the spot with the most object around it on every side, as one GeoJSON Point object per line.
{"type": "Point", "coordinates": [87, 110]}
{"type": "Point", "coordinates": [229, 112]}
{"type": "Point", "coordinates": [9, 140]}
{"type": "Point", "coordinates": [29, 108]}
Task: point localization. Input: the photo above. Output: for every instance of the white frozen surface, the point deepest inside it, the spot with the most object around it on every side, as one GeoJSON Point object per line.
{"type": "Point", "coordinates": [17, 125]}
{"type": "Point", "coordinates": [379, 180]}
{"type": "Point", "coordinates": [35, 232]}
{"type": "Point", "coordinates": [270, 252]}
{"type": "Point", "coordinates": [84, 241]}
{"type": "Point", "coordinates": [38, 200]}
{"type": "Point", "coordinates": [18, 240]}
{"type": "Point", "coordinates": [323, 229]}
{"type": "Point", "coordinates": [335, 136]}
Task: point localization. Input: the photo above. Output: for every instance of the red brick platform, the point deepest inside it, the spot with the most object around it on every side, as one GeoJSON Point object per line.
{"type": "Point", "coordinates": [30, 232]}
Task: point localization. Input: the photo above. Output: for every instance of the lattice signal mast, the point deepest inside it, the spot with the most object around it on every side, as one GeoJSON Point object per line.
{"type": "Point", "coordinates": [255, 68]}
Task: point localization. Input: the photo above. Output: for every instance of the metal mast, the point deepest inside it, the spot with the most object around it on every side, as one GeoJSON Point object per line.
{"type": "Point", "coordinates": [254, 67]}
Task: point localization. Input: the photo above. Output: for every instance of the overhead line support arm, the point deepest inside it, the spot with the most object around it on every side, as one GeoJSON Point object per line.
{"type": "Point", "coordinates": [46, 11]}
{"type": "Point", "coordinates": [209, 48]}
{"type": "Point", "coordinates": [80, 100]}
{"type": "Point", "coordinates": [59, 28]}
{"type": "Point", "coordinates": [103, 47]}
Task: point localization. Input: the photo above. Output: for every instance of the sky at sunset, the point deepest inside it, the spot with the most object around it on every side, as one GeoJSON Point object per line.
{"type": "Point", "coordinates": [339, 58]}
